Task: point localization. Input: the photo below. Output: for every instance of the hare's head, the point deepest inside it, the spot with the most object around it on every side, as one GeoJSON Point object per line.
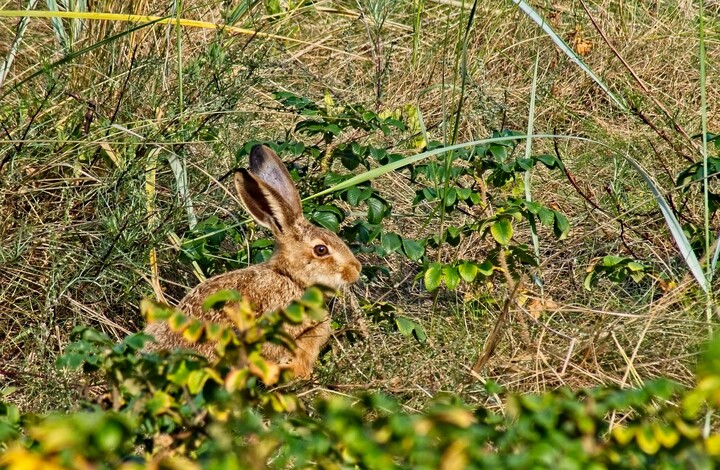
{"type": "Point", "coordinates": [307, 254]}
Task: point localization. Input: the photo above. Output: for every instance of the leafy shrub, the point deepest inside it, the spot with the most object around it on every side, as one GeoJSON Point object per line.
{"type": "Point", "coordinates": [178, 409]}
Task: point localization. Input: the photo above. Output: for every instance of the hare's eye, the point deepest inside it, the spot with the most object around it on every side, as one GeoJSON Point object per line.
{"type": "Point", "coordinates": [321, 250]}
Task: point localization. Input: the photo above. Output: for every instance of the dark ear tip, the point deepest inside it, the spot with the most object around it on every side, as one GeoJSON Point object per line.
{"type": "Point", "coordinates": [241, 172]}
{"type": "Point", "coordinates": [259, 154]}
{"type": "Point", "coordinates": [257, 148]}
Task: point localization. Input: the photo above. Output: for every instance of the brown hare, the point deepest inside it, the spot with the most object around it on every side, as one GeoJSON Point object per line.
{"type": "Point", "coordinates": [305, 255]}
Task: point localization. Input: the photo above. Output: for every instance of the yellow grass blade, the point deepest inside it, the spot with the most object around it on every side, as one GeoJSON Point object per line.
{"type": "Point", "coordinates": [160, 20]}
{"type": "Point", "coordinates": [150, 174]}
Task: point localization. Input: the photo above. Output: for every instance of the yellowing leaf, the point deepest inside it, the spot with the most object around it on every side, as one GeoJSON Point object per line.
{"type": "Point", "coordinates": [455, 456]}
{"type": "Point", "coordinates": [153, 311]}
{"type": "Point", "coordinates": [432, 276]}
{"type": "Point", "coordinates": [220, 414]}
{"type": "Point", "coordinates": [213, 331]}
{"type": "Point", "coordinates": [689, 431]}
{"type": "Point", "coordinates": [457, 417]}
{"type": "Point", "coordinates": [196, 381]}
{"type": "Point", "coordinates": [179, 376]}
{"type": "Point", "coordinates": [19, 458]}
{"type": "Point", "coordinates": [236, 379]}
{"type": "Point", "coordinates": [267, 371]}
{"type": "Point", "coordinates": [283, 403]}
{"type": "Point", "coordinates": [241, 314]}
{"type": "Point", "coordinates": [121, 165]}
{"type": "Point", "coordinates": [502, 231]}
{"type": "Point", "coordinates": [160, 403]}
{"type": "Point", "coordinates": [54, 436]}
{"type": "Point", "coordinates": [178, 321]}
{"type": "Point", "coordinates": [666, 435]}
{"type": "Point", "coordinates": [646, 441]}
{"type": "Point", "coordinates": [712, 445]}
{"type": "Point", "coordinates": [468, 270]}
{"type": "Point", "coordinates": [622, 435]}
{"type": "Point", "coordinates": [194, 331]}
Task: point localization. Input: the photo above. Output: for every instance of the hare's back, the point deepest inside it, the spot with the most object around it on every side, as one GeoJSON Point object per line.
{"type": "Point", "coordinates": [267, 290]}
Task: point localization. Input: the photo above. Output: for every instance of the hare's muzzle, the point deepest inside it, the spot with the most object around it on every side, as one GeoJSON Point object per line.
{"type": "Point", "coordinates": [351, 272]}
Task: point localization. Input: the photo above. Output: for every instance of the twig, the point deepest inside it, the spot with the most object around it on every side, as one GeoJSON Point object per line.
{"type": "Point", "coordinates": [493, 338]}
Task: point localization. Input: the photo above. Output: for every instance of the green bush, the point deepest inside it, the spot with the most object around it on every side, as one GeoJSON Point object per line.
{"type": "Point", "coordinates": [177, 409]}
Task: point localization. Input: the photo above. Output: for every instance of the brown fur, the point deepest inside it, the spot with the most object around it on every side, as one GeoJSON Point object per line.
{"type": "Point", "coordinates": [269, 195]}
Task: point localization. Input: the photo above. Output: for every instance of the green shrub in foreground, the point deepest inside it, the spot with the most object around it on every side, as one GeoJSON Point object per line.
{"type": "Point", "coordinates": [177, 410]}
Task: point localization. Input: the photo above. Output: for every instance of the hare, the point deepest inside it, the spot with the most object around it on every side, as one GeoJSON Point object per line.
{"type": "Point", "coordinates": [305, 255]}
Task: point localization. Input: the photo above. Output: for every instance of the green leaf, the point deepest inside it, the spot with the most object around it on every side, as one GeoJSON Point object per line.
{"type": "Point", "coordinates": [549, 161]}
{"type": "Point", "coordinates": [408, 327]}
{"type": "Point", "coordinates": [313, 297]}
{"type": "Point", "coordinates": [137, 341]}
{"type": "Point", "coordinates": [502, 231]}
{"type": "Point", "coordinates": [468, 271]}
{"type": "Point", "coordinates": [110, 436]}
{"type": "Point", "coordinates": [546, 216]}
{"type": "Point", "coordinates": [499, 152]}
{"type": "Point", "coordinates": [634, 266]}
{"type": "Point", "coordinates": [486, 268]}
{"type": "Point", "coordinates": [327, 219]}
{"type": "Point", "coordinates": [533, 207]}
{"type": "Point", "coordinates": [390, 242]}
{"type": "Point", "coordinates": [450, 197]}
{"type": "Point", "coordinates": [220, 298]}
{"type": "Point", "coordinates": [463, 193]}
{"type": "Point", "coordinates": [451, 277]}
{"type": "Point", "coordinates": [294, 313]}
{"type": "Point", "coordinates": [413, 249]}
{"type": "Point", "coordinates": [376, 210]}
{"type": "Point", "coordinates": [353, 196]}
{"type": "Point", "coordinates": [432, 277]}
{"type": "Point", "coordinates": [562, 226]}
{"type": "Point", "coordinates": [611, 260]}
{"type": "Point", "coordinates": [587, 283]}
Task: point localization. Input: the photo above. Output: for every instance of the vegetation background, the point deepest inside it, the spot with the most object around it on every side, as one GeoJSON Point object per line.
{"type": "Point", "coordinates": [118, 136]}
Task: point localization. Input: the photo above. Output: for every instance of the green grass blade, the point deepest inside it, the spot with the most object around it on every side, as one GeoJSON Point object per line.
{"type": "Point", "coordinates": [58, 27]}
{"type": "Point", "coordinates": [177, 165]}
{"type": "Point", "coordinates": [379, 171]}
{"type": "Point", "coordinates": [528, 154]}
{"type": "Point", "coordinates": [713, 263]}
{"type": "Point", "coordinates": [674, 225]}
{"type": "Point", "coordinates": [6, 64]}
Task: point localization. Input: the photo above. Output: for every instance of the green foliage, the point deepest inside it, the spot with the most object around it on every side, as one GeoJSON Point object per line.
{"type": "Point", "coordinates": [616, 269]}
{"type": "Point", "coordinates": [448, 185]}
{"type": "Point", "coordinates": [389, 316]}
{"type": "Point", "coordinates": [177, 409]}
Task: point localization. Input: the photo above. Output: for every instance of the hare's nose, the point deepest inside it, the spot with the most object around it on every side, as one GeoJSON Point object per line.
{"type": "Point", "coordinates": [352, 273]}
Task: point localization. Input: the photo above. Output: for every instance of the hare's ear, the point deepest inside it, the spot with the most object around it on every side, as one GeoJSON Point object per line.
{"type": "Point", "coordinates": [267, 167]}
{"type": "Point", "coordinates": [265, 205]}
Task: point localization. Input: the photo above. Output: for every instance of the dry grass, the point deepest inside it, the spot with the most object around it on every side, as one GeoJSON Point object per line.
{"type": "Point", "coordinates": [74, 231]}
